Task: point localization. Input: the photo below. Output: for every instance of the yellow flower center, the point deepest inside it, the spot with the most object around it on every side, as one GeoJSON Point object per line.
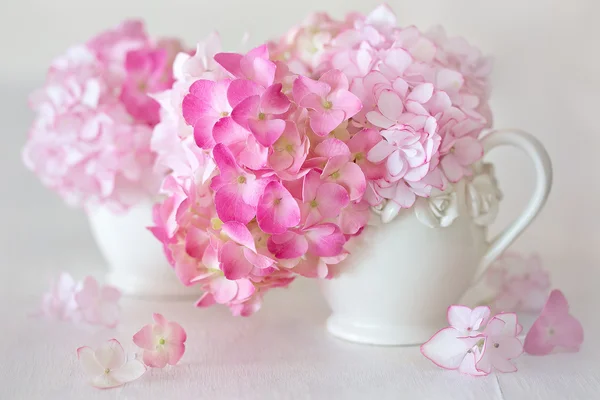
{"type": "Point", "coordinates": [106, 371]}
{"type": "Point", "coordinates": [142, 86]}
{"type": "Point", "coordinates": [241, 179]}
{"type": "Point", "coordinates": [224, 114]}
{"type": "Point", "coordinates": [314, 204]}
{"type": "Point", "coordinates": [216, 223]}
{"type": "Point", "coordinates": [162, 341]}
{"type": "Point", "coordinates": [261, 116]}
{"type": "Point", "coordinates": [335, 175]}
{"type": "Point", "coordinates": [327, 104]}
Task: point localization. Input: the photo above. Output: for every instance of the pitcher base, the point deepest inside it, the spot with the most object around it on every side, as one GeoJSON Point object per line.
{"type": "Point", "coordinates": [390, 335]}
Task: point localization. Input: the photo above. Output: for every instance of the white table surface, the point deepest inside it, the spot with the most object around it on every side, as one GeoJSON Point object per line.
{"type": "Point", "coordinates": [283, 352]}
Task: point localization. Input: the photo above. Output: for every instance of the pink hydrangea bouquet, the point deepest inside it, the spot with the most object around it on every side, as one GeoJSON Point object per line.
{"type": "Point", "coordinates": [90, 141]}
{"type": "Point", "coordinates": [279, 155]}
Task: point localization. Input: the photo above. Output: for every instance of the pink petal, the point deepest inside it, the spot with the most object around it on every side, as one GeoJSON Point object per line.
{"type": "Point", "coordinates": [203, 132]}
{"type": "Point", "coordinates": [325, 240]}
{"type": "Point", "coordinates": [267, 132]}
{"type": "Point", "coordinates": [323, 122]}
{"type": "Point", "coordinates": [206, 300]}
{"type": "Point", "coordinates": [449, 80]}
{"type": "Point", "coordinates": [144, 338]}
{"type": "Point", "coordinates": [332, 147]}
{"type": "Point", "coordinates": [459, 317]}
{"type": "Point", "coordinates": [241, 89]}
{"type": "Point", "coordinates": [556, 305]}
{"type": "Point", "coordinates": [246, 109]}
{"type": "Point", "coordinates": [568, 333]}
{"type": "Point", "coordinates": [468, 150]}
{"type": "Point", "coordinates": [111, 354]}
{"type": "Point", "coordinates": [245, 289]}
{"type": "Point", "coordinates": [452, 168]}
{"type": "Point", "coordinates": [380, 151]}
{"type": "Point", "coordinates": [160, 320]}
{"type": "Point", "coordinates": [253, 154]}
{"type": "Point", "coordinates": [156, 358]}
{"type": "Point", "coordinates": [396, 165]}
{"type": "Point", "coordinates": [233, 262]}
{"type": "Point", "coordinates": [288, 245]}
{"type": "Point", "coordinates": [336, 80]}
{"type": "Point", "coordinates": [224, 290]}
{"type": "Point", "coordinates": [354, 217]}
{"type": "Point", "coordinates": [347, 102]}
{"type": "Point", "coordinates": [310, 184]}
{"type": "Point", "coordinates": [258, 260]}
{"type": "Point", "coordinates": [239, 233]}
{"type": "Point", "coordinates": [128, 372]}
{"type": "Point", "coordinates": [303, 86]}
{"type": "Point", "coordinates": [377, 119]}
{"type": "Point", "coordinates": [227, 131]}
{"type": "Point", "coordinates": [230, 205]}
{"type": "Point", "coordinates": [87, 359]}
{"type": "Point", "coordinates": [511, 324]}
{"type": "Point", "coordinates": [468, 366]}
{"type": "Point", "coordinates": [176, 333]}
{"type": "Point", "coordinates": [350, 176]}
{"type": "Point", "coordinates": [175, 352]}
{"type": "Point", "coordinates": [537, 340]}
{"type": "Point", "coordinates": [197, 104]}
{"type": "Point", "coordinates": [331, 198]}
{"type": "Point", "coordinates": [446, 349]}
{"type": "Point", "coordinates": [273, 101]}
{"type": "Point", "coordinates": [390, 105]}
{"type": "Point", "coordinates": [421, 93]}
{"type": "Point", "coordinates": [260, 70]}
{"type": "Point", "coordinates": [261, 51]}
{"type": "Point", "coordinates": [196, 241]}
{"type": "Point", "coordinates": [231, 63]}
{"type": "Point", "coordinates": [404, 195]}
{"type": "Point", "coordinates": [277, 210]}
{"type": "Point", "coordinates": [399, 59]}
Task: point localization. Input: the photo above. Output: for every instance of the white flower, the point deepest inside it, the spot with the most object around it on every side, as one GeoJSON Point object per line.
{"type": "Point", "coordinates": [439, 210]}
{"type": "Point", "coordinates": [107, 367]}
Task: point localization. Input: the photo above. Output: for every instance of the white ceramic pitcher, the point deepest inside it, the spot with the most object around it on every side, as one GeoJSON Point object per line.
{"type": "Point", "coordinates": [136, 262]}
{"type": "Point", "coordinates": [408, 266]}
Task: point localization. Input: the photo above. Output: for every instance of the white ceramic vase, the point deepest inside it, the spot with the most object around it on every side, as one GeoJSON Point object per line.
{"type": "Point", "coordinates": [408, 266]}
{"type": "Point", "coordinates": [136, 262]}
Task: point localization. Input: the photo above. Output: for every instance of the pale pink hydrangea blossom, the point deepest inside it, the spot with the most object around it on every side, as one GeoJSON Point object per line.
{"type": "Point", "coordinates": [90, 140]}
{"type": "Point", "coordinates": [85, 301]}
{"type": "Point", "coordinates": [475, 344]}
{"type": "Point", "coordinates": [277, 155]}
{"type": "Point", "coordinates": [521, 283]}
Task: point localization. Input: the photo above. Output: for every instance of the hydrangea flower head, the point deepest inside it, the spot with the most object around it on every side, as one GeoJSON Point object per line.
{"type": "Point", "coordinates": [90, 141]}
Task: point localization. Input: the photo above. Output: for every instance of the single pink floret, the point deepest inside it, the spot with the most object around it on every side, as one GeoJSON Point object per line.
{"type": "Point", "coordinates": [329, 100]}
{"type": "Point", "coordinates": [98, 305]}
{"type": "Point", "coordinates": [163, 342]}
{"type": "Point", "coordinates": [555, 328]}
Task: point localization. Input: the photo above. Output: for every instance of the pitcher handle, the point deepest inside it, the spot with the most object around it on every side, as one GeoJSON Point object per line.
{"type": "Point", "coordinates": [541, 161]}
